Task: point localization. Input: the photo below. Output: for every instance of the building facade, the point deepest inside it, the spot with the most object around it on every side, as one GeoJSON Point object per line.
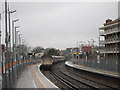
{"type": "Point", "coordinates": [110, 45]}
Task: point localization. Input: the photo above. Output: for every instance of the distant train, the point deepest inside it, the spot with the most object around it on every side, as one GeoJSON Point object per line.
{"type": "Point", "coordinates": [48, 60]}
{"type": "Point", "coordinates": [39, 55]}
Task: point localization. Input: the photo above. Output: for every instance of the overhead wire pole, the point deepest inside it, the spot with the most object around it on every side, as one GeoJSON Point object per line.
{"type": "Point", "coordinates": [6, 54]}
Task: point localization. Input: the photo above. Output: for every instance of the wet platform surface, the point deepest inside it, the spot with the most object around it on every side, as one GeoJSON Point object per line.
{"type": "Point", "coordinates": [32, 77]}
{"type": "Point", "coordinates": [90, 69]}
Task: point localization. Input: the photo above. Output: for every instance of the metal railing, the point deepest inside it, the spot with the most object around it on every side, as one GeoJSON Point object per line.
{"type": "Point", "coordinates": [102, 33]}
{"type": "Point", "coordinates": [112, 50]}
{"type": "Point", "coordinates": [110, 31]}
{"type": "Point", "coordinates": [113, 40]}
{"type": "Point", "coordinates": [114, 30]}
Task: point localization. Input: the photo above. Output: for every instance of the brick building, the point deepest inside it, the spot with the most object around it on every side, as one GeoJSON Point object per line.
{"type": "Point", "coordinates": [86, 48]}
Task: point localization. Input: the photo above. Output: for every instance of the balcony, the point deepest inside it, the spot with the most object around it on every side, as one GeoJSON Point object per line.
{"type": "Point", "coordinates": [114, 30]}
{"type": "Point", "coordinates": [102, 42]}
{"type": "Point", "coordinates": [110, 31]}
{"type": "Point", "coordinates": [113, 40]}
{"type": "Point", "coordinates": [108, 41]}
{"type": "Point", "coordinates": [110, 50]}
{"type": "Point", "coordinates": [102, 33]}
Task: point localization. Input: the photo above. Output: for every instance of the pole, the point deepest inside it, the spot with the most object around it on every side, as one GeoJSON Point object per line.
{"type": "Point", "coordinates": [13, 52]}
{"type": "Point", "coordinates": [1, 61]}
{"type": "Point", "coordinates": [99, 52]}
{"type": "Point", "coordinates": [15, 55]}
{"type": "Point", "coordinates": [9, 41]}
{"type": "Point", "coordinates": [6, 55]}
{"type": "Point", "coordinates": [18, 55]}
{"type": "Point", "coordinates": [16, 51]}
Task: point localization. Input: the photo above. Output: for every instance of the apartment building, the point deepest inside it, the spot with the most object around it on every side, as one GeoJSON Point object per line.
{"type": "Point", "coordinates": [110, 44]}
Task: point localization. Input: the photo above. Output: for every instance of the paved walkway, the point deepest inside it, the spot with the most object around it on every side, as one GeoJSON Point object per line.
{"type": "Point", "coordinates": [33, 78]}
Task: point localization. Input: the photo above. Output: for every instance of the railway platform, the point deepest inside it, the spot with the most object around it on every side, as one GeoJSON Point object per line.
{"type": "Point", "coordinates": [90, 69]}
{"type": "Point", "coordinates": [32, 78]}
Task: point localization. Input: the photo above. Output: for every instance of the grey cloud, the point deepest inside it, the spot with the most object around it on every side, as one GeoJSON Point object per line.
{"type": "Point", "coordinates": [61, 25]}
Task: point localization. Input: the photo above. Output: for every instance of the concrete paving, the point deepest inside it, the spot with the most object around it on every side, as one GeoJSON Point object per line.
{"type": "Point", "coordinates": [103, 72]}
{"type": "Point", "coordinates": [26, 80]}
{"type": "Point", "coordinates": [33, 78]}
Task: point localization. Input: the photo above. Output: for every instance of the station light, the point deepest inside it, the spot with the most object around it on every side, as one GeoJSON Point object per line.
{"type": "Point", "coordinates": [75, 53]}
{"type": "Point", "coordinates": [31, 53]}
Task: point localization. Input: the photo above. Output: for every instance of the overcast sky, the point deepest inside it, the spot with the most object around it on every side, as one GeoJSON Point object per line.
{"type": "Point", "coordinates": [62, 24]}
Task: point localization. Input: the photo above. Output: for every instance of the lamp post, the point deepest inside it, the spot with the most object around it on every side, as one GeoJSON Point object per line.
{"type": "Point", "coordinates": [93, 42]}
{"type": "Point", "coordinates": [13, 32]}
{"type": "Point", "coordinates": [79, 43]}
{"type": "Point", "coordinates": [17, 38]}
{"type": "Point", "coordinates": [1, 61]}
{"type": "Point", "coordinates": [9, 42]}
{"type": "Point", "coordinates": [20, 36]}
{"type": "Point", "coordinates": [15, 51]}
{"type": "Point", "coordinates": [16, 42]}
{"type": "Point", "coordinates": [6, 54]}
{"type": "Point", "coordinates": [98, 61]}
{"type": "Point", "coordinates": [9, 13]}
{"type": "Point", "coordinates": [19, 50]}
{"type": "Point", "coordinates": [93, 53]}
{"type": "Point", "coordinates": [88, 43]}
{"type": "Point", "coordinates": [14, 37]}
{"type": "Point", "coordinates": [2, 64]}
{"type": "Point", "coordinates": [13, 45]}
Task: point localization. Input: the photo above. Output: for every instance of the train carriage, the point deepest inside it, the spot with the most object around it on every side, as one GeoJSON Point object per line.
{"type": "Point", "coordinates": [48, 60]}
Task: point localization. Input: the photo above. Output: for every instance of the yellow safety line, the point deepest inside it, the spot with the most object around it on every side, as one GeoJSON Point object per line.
{"type": "Point", "coordinates": [35, 74]}
{"type": "Point", "coordinates": [41, 81]}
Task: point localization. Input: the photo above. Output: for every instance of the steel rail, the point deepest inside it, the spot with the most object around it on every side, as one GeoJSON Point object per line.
{"type": "Point", "coordinates": [67, 83]}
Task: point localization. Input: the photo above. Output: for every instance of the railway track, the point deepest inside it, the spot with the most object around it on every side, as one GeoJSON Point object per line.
{"type": "Point", "coordinates": [90, 83]}
{"type": "Point", "coordinates": [65, 82]}
{"type": "Point", "coordinates": [74, 81]}
{"type": "Point", "coordinates": [96, 82]}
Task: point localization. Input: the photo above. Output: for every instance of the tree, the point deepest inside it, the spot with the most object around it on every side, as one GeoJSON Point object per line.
{"type": "Point", "coordinates": [22, 50]}
{"type": "Point", "coordinates": [38, 49]}
{"type": "Point", "coordinates": [53, 51]}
